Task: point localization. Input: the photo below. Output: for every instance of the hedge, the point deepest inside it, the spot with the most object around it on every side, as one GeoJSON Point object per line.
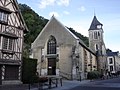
{"type": "Point", "coordinates": [29, 68]}
{"type": "Point", "coordinates": [93, 75]}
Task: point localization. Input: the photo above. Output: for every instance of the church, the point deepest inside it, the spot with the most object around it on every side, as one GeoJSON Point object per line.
{"type": "Point", "coordinates": [60, 52]}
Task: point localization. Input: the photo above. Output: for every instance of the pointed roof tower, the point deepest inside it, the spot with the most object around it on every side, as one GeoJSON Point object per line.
{"type": "Point", "coordinates": [94, 24]}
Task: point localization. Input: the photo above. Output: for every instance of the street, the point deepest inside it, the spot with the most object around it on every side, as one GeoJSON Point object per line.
{"type": "Point", "coordinates": [110, 84]}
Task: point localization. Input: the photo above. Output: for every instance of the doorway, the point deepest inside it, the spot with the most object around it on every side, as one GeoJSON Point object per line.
{"type": "Point", "coordinates": [11, 72]}
{"type": "Point", "coordinates": [51, 66]}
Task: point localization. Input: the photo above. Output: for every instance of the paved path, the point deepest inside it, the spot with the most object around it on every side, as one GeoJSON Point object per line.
{"type": "Point", "coordinates": [71, 84]}
{"type": "Point", "coordinates": [108, 84]}
{"type": "Point", "coordinates": [67, 84]}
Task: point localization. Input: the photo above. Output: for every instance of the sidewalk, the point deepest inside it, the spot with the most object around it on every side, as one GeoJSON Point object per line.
{"type": "Point", "coordinates": [67, 84]}
{"type": "Point", "coordinates": [70, 84]}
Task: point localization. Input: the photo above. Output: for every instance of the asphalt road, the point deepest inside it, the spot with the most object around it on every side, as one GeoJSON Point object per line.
{"type": "Point", "coordinates": [110, 84]}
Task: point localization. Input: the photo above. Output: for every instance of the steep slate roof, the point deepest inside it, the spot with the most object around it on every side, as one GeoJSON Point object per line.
{"type": "Point", "coordinates": [65, 28]}
{"type": "Point", "coordinates": [112, 53]}
{"type": "Point", "coordinates": [94, 24]}
{"type": "Point", "coordinates": [77, 38]}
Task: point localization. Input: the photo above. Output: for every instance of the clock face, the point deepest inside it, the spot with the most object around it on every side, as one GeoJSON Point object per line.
{"type": "Point", "coordinates": [99, 26]}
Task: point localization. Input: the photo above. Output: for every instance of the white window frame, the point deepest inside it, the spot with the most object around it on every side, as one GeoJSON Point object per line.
{"type": "Point", "coordinates": [3, 17]}
{"type": "Point", "coordinates": [110, 60]}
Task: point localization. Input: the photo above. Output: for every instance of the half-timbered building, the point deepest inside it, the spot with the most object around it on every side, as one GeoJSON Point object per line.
{"type": "Point", "coordinates": [12, 29]}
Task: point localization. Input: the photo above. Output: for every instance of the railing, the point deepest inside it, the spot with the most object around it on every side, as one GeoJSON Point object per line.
{"type": "Point", "coordinates": [65, 75]}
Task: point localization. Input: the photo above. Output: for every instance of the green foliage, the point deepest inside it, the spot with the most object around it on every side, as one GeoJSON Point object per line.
{"type": "Point", "coordinates": [83, 38]}
{"type": "Point", "coordinates": [93, 75]}
{"type": "Point", "coordinates": [35, 24]}
{"type": "Point", "coordinates": [29, 70]}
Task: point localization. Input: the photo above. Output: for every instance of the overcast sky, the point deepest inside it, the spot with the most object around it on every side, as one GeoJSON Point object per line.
{"type": "Point", "coordinates": [79, 14]}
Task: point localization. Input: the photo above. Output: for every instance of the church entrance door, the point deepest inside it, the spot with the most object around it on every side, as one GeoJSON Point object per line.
{"type": "Point", "coordinates": [51, 66]}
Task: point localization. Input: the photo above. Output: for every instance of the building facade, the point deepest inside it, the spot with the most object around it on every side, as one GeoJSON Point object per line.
{"type": "Point", "coordinates": [113, 60]}
{"type": "Point", "coordinates": [12, 28]}
{"type": "Point", "coordinates": [96, 43]}
{"type": "Point", "coordinates": [60, 52]}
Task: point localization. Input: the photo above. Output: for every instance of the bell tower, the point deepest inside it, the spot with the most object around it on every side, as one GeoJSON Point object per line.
{"type": "Point", "coordinates": [96, 36]}
{"type": "Point", "coordinates": [96, 43]}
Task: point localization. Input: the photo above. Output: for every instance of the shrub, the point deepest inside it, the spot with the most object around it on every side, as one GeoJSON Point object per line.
{"type": "Point", "coordinates": [93, 75]}
{"type": "Point", "coordinates": [29, 70]}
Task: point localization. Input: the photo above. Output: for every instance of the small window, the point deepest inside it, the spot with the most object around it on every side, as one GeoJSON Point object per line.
{"type": "Point", "coordinates": [98, 33]}
{"type": "Point", "coordinates": [110, 61]}
{"type": "Point", "coordinates": [3, 17]}
{"type": "Point", "coordinates": [111, 68]}
{"type": "Point", "coordinates": [96, 47]}
{"type": "Point", "coordinates": [95, 35]}
{"type": "Point", "coordinates": [7, 43]}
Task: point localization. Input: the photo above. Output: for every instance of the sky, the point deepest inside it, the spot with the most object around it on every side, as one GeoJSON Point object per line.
{"type": "Point", "coordinates": [78, 14]}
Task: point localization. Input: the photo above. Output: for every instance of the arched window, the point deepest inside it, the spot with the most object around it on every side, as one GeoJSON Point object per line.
{"type": "Point", "coordinates": [96, 35]}
{"type": "Point", "coordinates": [51, 45]}
{"type": "Point", "coordinates": [96, 47]}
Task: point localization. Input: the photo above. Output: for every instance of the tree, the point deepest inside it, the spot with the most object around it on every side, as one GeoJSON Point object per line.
{"type": "Point", "coordinates": [35, 24]}
{"type": "Point", "coordinates": [83, 38]}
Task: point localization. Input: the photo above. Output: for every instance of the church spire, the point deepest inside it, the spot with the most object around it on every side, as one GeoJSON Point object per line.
{"type": "Point", "coordinates": [94, 13]}
{"type": "Point", "coordinates": [94, 23]}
